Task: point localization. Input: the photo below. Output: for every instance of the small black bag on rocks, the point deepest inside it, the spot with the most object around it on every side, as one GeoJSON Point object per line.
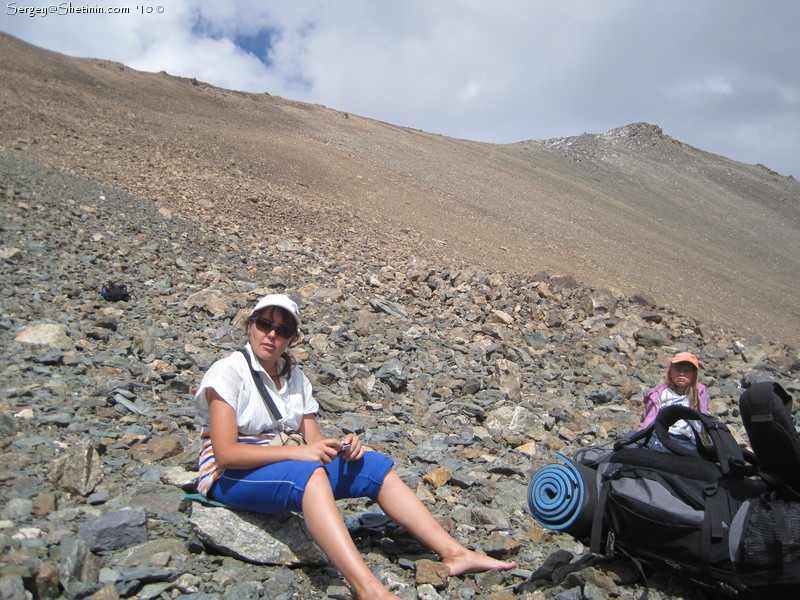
{"type": "Point", "coordinates": [115, 292]}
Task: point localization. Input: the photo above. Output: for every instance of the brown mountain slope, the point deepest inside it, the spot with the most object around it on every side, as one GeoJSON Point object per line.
{"type": "Point", "coordinates": [632, 209]}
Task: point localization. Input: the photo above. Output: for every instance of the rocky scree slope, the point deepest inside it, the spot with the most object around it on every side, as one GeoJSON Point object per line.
{"type": "Point", "coordinates": [633, 209]}
{"type": "Point", "coordinates": [471, 379]}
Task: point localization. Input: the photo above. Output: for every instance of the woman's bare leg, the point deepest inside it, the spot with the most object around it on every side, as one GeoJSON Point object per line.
{"type": "Point", "coordinates": [401, 504]}
{"type": "Point", "coordinates": [325, 523]}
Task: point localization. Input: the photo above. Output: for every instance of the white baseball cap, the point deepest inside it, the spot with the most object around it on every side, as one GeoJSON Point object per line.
{"type": "Point", "coordinates": [281, 300]}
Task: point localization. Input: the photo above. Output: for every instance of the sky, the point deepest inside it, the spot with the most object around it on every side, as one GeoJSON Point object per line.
{"type": "Point", "coordinates": [720, 75]}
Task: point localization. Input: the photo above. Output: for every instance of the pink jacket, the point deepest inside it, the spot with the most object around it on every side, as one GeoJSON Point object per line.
{"type": "Point", "coordinates": [652, 403]}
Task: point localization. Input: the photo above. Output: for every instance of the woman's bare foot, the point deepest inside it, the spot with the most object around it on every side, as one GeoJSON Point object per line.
{"type": "Point", "coordinates": [467, 561]}
{"type": "Point", "coordinates": [377, 593]}
{"type": "Point", "coordinates": [384, 596]}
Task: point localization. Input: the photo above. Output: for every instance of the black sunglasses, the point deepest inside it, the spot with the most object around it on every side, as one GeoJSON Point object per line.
{"type": "Point", "coordinates": [265, 326]}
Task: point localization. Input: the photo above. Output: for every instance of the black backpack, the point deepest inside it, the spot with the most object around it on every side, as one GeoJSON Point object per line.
{"type": "Point", "coordinates": [115, 292]}
{"type": "Point", "coordinates": [702, 513]}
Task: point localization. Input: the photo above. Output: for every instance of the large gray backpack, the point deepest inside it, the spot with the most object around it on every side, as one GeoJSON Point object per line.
{"type": "Point", "coordinates": [703, 513]}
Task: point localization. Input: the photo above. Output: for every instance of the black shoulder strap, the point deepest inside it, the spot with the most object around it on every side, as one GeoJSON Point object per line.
{"type": "Point", "coordinates": [262, 389]}
{"type": "Point", "coordinates": [598, 520]}
{"type": "Point", "coordinates": [761, 400]}
{"type": "Point", "coordinates": [726, 451]}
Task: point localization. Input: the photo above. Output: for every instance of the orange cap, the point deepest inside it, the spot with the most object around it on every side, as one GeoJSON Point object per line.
{"type": "Point", "coordinates": [686, 357]}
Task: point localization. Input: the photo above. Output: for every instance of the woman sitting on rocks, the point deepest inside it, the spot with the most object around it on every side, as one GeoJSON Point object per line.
{"type": "Point", "coordinates": [240, 468]}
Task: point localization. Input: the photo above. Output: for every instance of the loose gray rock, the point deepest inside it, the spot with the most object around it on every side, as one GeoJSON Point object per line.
{"type": "Point", "coordinates": [79, 471]}
{"type": "Point", "coordinates": [390, 308]}
{"type": "Point", "coordinates": [263, 539]}
{"type": "Point", "coordinates": [114, 530]}
{"type": "Point", "coordinates": [45, 334]}
{"type": "Point", "coordinates": [394, 374]}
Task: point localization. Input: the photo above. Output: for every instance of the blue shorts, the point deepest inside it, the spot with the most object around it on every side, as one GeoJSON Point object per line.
{"type": "Point", "coordinates": [279, 487]}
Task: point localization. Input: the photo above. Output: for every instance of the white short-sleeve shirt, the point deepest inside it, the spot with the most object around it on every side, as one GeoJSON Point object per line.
{"type": "Point", "coordinates": [231, 379]}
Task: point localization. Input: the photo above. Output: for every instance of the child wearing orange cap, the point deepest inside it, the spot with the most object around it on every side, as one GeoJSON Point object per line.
{"type": "Point", "coordinates": [680, 386]}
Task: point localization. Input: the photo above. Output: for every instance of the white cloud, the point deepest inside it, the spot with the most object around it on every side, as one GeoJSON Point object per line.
{"type": "Point", "coordinates": [714, 84]}
{"type": "Point", "coordinates": [218, 61]}
{"type": "Point", "coordinates": [496, 71]}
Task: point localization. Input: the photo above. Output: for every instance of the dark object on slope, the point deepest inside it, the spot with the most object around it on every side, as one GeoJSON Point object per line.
{"type": "Point", "coordinates": [115, 292]}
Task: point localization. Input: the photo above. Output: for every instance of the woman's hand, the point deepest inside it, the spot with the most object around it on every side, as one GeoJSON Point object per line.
{"type": "Point", "coordinates": [321, 451]}
{"type": "Point", "coordinates": [311, 433]}
{"type": "Point", "coordinates": [351, 447]}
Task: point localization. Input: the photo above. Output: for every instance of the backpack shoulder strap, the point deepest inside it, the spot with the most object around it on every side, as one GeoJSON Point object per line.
{"type": "Point", "coordinates": [762, 396]}
{"type": "Point", "coordinates": [725, 451]}
{"type": "Point", "coordinates": [262, 389]}
{"type": "Point", "coordinates": [766, 410]}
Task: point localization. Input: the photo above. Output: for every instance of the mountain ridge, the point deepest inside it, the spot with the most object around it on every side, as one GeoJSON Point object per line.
{"type": "Point", "coordinates": [633, 209]}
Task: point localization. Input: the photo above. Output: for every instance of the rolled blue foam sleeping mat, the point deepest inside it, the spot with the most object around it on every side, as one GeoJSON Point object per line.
{"type": "Point", "coordinates": [562, 497]}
